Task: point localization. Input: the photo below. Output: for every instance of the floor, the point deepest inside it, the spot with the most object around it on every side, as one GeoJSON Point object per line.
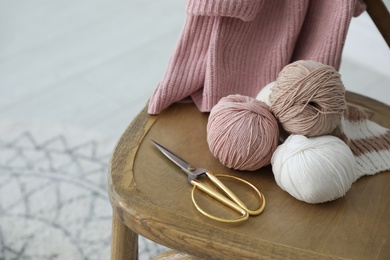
{"type": "Point", "coordinates": [94, 63]}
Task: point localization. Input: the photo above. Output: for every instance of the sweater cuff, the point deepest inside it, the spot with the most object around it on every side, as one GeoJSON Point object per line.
{"type": "Point", "coordinates": [360, 7]}
{"type": "Point", "coordinates": [243, 9]}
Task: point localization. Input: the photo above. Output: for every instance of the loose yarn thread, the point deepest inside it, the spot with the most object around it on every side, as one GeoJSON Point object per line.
{"type": "Point", "coordinates": [308, 98]}
{"type": "Point", "coordinates": [242, 133]}
{"type": "Point", "coordinates": [316, 169]}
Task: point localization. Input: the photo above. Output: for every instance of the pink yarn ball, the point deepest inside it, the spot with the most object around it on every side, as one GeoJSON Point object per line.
{"type": "Point", "coordinates": [242, 133]}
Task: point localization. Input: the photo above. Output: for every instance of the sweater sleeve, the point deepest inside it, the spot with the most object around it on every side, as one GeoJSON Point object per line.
{"type": "Point", "coordinates": [360, 7]}
{"type": "Point", "coordinates": [243, 9]}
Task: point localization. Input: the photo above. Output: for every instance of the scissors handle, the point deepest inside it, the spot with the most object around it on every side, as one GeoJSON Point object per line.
{"type": "Point", "coordinates": [214, 179]}
{"type": "Point", "coordinates": [236, 204]}
{"type": "Point", "coordinates": [197, 184]}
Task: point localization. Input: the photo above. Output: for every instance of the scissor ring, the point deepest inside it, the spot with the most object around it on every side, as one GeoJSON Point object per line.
{"type": "Point", "coordinates": [244, 214]}
{"type": "Point", "coordinates": [242, 209]}
{"type": "Point", "coordinates": [259, 194]}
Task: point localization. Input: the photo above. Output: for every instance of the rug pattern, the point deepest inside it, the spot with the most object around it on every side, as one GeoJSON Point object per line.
{"type": "Point", "coordinates": [53, 198]}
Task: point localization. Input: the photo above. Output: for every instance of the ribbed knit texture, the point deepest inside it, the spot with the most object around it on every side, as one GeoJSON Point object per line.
{"type": "Point", "coordinates": [238, 46]}
{"type": "Point", "coordinates": [323, 32]}
{"type": "Point", "coordinates": [242, 9]}
{"type": "Point", "coordinates": [369, 142]}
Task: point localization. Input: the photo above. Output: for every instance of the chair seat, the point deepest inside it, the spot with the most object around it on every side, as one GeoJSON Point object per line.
{"type": "Point", "coordinates": [151, 196]}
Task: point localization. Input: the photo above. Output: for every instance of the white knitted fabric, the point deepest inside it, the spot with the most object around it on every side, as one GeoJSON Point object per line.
{"type": "Point", "coordinates": [369, 141]}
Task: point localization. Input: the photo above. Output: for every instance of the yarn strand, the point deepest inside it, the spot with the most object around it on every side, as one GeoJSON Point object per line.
{"type": "Point", "coordinates": [308, 98]}
{"type": "Point", "coordinates": [242, 133]}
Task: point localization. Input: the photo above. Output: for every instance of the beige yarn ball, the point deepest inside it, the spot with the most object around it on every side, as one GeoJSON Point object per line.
{"type": "Point", "coordinates": [308, 98]}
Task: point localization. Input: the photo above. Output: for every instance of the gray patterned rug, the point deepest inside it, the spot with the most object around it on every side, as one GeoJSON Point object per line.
{"type": "Point", "coordinates": [53, 199]}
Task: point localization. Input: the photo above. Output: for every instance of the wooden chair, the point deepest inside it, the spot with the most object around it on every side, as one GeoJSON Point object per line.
{"type": "Point", "coordinates": [151, 197]}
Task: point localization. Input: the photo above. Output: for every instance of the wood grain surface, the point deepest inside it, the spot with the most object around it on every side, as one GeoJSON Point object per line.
{"type": "Point", "coordinates": [380, 16]}
{"type": "Point", "coordinates": [153, 198]}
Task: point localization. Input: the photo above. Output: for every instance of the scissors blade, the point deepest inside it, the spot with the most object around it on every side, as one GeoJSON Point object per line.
{"type": "Point", "coordinates": [189, 169]}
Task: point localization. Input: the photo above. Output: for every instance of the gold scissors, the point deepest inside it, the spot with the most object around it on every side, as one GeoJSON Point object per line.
{"type": "Point", "coordinates": [234, 202]}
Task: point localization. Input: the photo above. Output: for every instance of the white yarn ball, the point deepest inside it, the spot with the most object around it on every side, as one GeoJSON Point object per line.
{"type": "Point", "coordinates": [265, 92]}
{"type": "Point", "coordinates": [316, 169]}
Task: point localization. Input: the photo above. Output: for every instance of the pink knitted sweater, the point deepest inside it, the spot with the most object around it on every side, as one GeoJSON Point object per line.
{"type": "Point", "coordinates": [238, 46]}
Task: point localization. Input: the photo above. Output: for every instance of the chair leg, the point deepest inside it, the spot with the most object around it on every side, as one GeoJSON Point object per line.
{"type": "Point", "coordinates": [124, 241]}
